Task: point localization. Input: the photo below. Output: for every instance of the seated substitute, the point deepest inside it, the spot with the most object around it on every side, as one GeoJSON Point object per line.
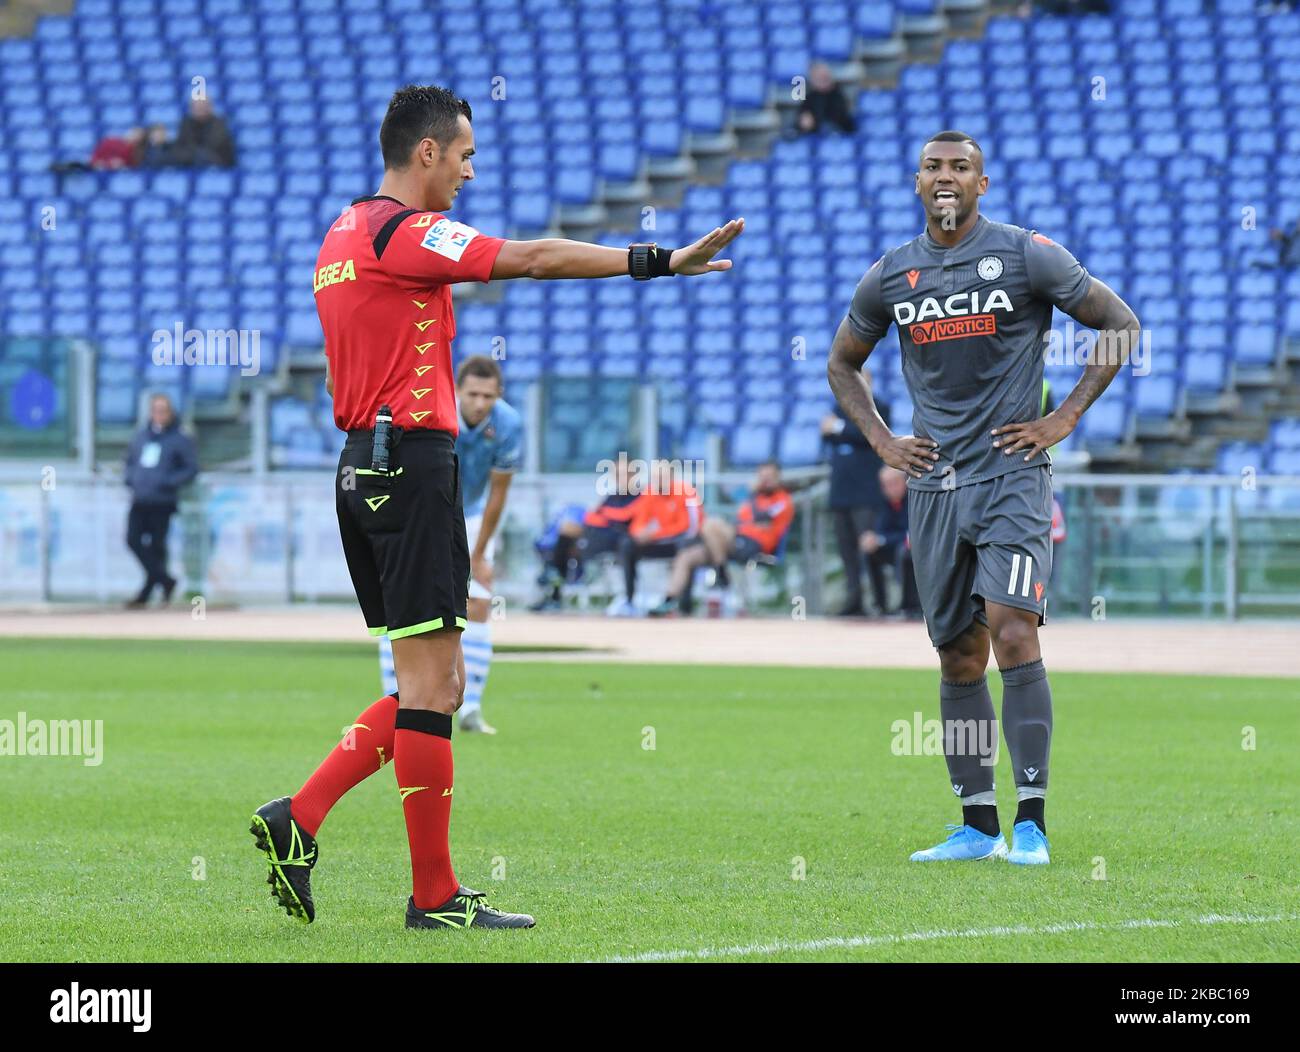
{"type": "Point", "coordinates": [761, 524]}
{"type": "Point", "coordinates": [665, 517]}
{"type": "Point", "coordinates": [578, 537]}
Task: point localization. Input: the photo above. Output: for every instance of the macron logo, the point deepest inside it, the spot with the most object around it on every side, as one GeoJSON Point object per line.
{"type": "Point", "coordinates": [1031, 773]}
{"type": "Point", "coordinates": [102, 1006]}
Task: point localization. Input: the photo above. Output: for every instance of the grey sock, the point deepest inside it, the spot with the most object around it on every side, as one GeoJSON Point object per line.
{"type": "Point", "coordinates": [970, 739]}
{"type": "Point", "coordinates": [1027, 723]}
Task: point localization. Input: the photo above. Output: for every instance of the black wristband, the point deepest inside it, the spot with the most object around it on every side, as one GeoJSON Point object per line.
{"type": "Point", "coordinates": [646, 261]}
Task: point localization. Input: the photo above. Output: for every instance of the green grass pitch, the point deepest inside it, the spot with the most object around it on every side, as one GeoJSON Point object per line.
{"type": "Point", "coordinates": [689, 848]}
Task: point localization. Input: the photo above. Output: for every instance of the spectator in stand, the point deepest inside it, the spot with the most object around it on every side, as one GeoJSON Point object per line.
{"type": "Point", "coordinates": [665, 516]}
{"type": "Point", "coordinates": [112, 153]}
{"type": "Point", "coordinates": [157, 151]}
{"type": "Point", "coordinates": [825, 106]}
{"type": "Point", "coordinates": [1288, 246]}
{"type": "Point", "coordinates": [761, 525]}
{"type": "Point", "coordinates": [159, 461]}
{"type": "Point", "coordinates": [855, 503]}
{"type": "Point", "coordinates": [204, 141]}
{"type": "Point", "coordinates": [888, 543]}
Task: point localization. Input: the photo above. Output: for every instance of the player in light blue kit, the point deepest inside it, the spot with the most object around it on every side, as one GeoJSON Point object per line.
{"type": "Point", "coordinates": [490, 449]}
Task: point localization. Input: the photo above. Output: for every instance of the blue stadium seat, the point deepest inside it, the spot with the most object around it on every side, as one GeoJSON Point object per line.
{"type": "Point", "coordinates": [1256, 345]}
{"type": "Point", "coordinates": [751, 445]}
{"type": "Point", "coordinates": [1106, 422]}
{"type": "Point", "coordinates": [1155, 396]}
{"type": "Point", "coordinates": [1285, 434]}
{"type": "Point", "coordinates": [1204, 101]}
{"type": "Point", "coordinates": [1234, 457]}
{"type": "Point", "coordinates": [1284, 462]}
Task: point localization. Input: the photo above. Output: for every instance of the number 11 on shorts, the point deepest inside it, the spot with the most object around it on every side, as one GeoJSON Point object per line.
{"type": "Point", "coordinates": [1023, 583]}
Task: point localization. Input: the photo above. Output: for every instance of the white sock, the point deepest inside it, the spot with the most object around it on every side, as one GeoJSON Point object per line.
{"type": "Point", "coordinates": [476, 641]}
{"type": "Point", "coordinates": [387, 673]}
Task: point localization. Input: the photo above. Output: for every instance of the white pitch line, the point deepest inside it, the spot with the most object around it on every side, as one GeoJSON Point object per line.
{"type": "Point", "coordinates": [706, 953]}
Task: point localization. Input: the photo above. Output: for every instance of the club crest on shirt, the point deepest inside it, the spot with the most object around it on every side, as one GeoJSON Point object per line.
{"type": "Point", "coordinates": [449, 239]}
{"type": "Point", "coordinates": [989, 268]}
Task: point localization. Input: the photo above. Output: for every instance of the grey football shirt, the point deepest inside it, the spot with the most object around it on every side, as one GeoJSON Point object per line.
{"type": "Point", "coordinates": [971, 323]}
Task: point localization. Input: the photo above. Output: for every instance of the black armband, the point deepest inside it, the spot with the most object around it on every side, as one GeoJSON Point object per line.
{"type": "Point", "coordinates": [648, 261]}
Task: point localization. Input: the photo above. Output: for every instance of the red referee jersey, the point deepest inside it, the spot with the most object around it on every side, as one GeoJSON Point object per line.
{"type": "Point", "coordinates": [383, 291]}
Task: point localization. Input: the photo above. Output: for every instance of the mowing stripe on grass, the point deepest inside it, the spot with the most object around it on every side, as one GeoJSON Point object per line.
{"type": "Point", "coordinates": [705, 953]}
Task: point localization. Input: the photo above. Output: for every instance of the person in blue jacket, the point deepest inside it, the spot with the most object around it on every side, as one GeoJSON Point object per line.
{"type": "Point", "coordinates": [160, 460]}
{"type": "Point", "coordinates": [888, 543]}
{"type": "Point", "coordinates": [855, 504]}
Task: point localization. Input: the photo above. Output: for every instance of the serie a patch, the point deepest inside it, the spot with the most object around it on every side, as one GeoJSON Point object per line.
{"type": "Point", "coordinates": [449, 239]}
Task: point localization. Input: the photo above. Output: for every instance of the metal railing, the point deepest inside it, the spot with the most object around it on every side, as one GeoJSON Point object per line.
{"type": "Point", "coordinates": [1141, 544]}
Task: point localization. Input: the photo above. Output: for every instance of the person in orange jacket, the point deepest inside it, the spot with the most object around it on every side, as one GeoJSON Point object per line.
{"type": "Point", "coordinates": [761, 525]}
{"type": "Point", "coordinates": [666, 516]}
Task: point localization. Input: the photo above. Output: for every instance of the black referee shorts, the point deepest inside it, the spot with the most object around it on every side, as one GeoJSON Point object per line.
{"type": "Point", "coordinates": [404, 533]}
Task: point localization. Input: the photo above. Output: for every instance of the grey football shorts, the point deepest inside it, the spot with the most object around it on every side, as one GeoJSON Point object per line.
{"type": "Point", "coordinates": [989, 542]}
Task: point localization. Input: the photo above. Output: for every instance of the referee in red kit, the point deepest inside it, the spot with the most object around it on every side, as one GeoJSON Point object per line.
{"type": "Point", "coordinates": [383, 290]}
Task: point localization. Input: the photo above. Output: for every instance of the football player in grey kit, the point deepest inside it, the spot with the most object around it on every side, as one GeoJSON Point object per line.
{"type": "Point", "coordinates": [973, 301]}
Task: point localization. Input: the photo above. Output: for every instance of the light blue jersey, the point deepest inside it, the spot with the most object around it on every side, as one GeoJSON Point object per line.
{"type": "Point", "coordinates": [497, 444]}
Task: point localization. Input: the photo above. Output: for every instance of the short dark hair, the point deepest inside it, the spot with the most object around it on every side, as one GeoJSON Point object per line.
{"type": "Point", "coordinates": [955, 136]}
{"type": "Point", "coordinates": [420, 112]}
{"type": "Point", "coordinates": [479, 365]}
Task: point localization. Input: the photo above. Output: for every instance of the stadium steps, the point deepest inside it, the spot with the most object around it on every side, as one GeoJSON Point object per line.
{"type": "Point", "coordinates": [882, 60]}
{"type": "Point", "coordinates": [111, 444]}
{"type": "Point", "coordinates": [1121, 456]}
{"type": "Point", "coordinates": [751, 134]}
{"type": "Point", "coordinates": [1244, 414]}
{"type": "Point", "coordinates": [226, 443]}
{"type": "Point", "coordinates": [1169, 453]}
{"type": "Point", "coordinates": [1291, 359]}
{"type": "Point", "coordinates": [1177, 454]}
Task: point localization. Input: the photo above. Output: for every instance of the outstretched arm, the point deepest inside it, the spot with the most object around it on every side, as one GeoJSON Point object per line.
{"type": "Point", "coordinates": [853, 391]}
{"type": "Point", "coordinates": [550, 258]}
{"type": "Point", "coordinates": [1118, 331]}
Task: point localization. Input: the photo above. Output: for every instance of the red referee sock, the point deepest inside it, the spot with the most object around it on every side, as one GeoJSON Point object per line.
{"type": "Point", "coordinates": [365, 748]}
{"type": "Point", "coordinates": [422, 761]}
